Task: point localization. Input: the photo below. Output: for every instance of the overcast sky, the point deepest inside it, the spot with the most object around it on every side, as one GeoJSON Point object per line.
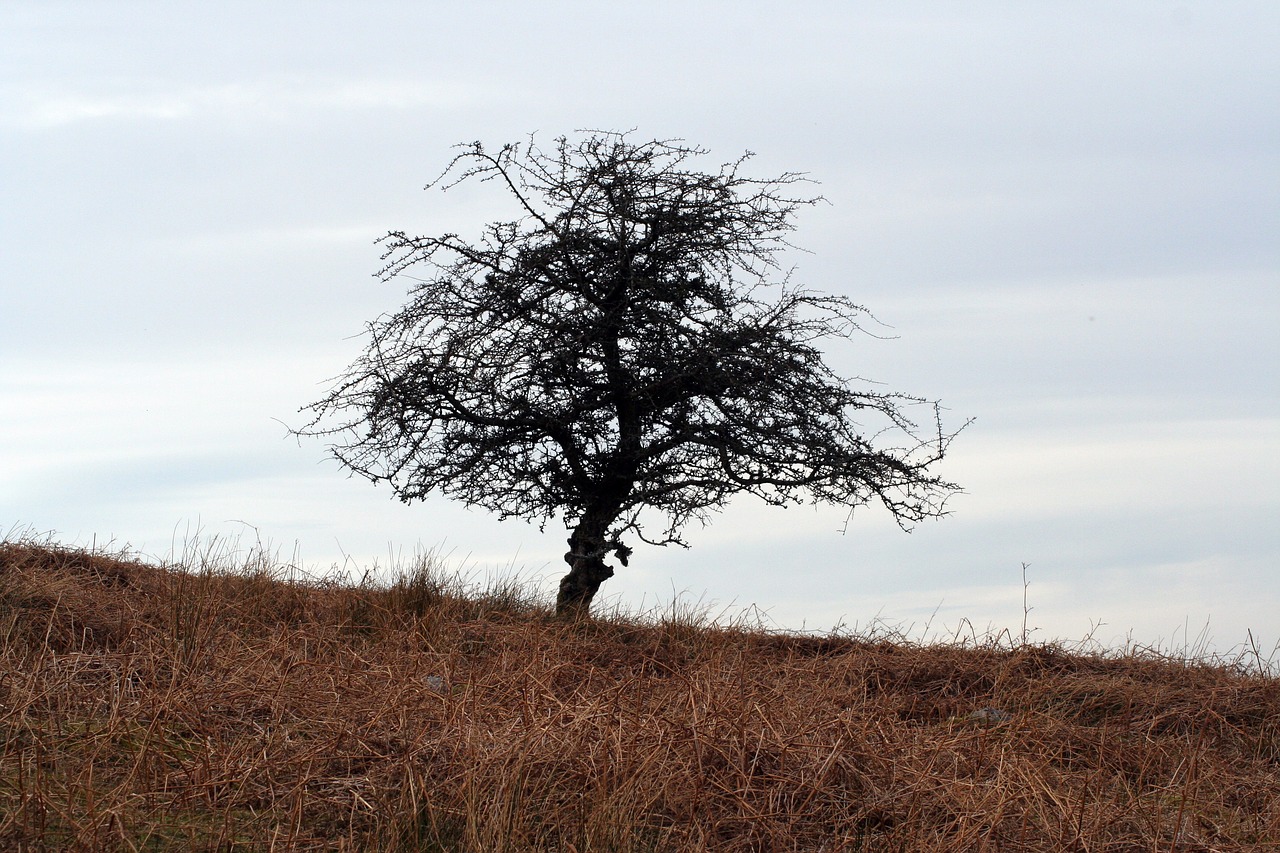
{"type": "Point", "coordinates": [1067, 216]}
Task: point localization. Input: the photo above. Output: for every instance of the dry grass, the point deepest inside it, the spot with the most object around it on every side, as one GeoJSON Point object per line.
{"type": "Point", "coordinates": [216, 708]}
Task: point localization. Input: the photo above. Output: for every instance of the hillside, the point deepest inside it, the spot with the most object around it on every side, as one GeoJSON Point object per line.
{"type": "Point", "coordinates": [222, 707]}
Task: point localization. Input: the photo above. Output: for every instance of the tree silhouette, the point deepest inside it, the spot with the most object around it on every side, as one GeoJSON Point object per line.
{"type": "Point", "coordinates": [616, 356]}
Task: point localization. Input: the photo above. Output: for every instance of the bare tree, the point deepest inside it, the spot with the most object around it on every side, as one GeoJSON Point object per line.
{"type": "Point", "coordinates": [616, 356]}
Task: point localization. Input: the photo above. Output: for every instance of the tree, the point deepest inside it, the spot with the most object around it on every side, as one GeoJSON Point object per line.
{"type": "Point", "coordinates": [617, 356]}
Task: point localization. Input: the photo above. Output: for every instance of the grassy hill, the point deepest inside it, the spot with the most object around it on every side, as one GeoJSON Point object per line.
{"type": "Point", "coordinates": [217, 707]}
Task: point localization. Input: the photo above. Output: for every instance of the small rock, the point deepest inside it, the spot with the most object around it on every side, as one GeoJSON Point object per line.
{"type": "Point", "coordinates": [990, 716]}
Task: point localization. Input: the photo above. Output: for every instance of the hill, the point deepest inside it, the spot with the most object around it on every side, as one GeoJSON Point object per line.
{"type": "Point", "coordinates": [248, 707]}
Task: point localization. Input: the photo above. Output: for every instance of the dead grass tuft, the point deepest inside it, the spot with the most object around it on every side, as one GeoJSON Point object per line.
{"type": "Point", "coordinates": [202, 707]}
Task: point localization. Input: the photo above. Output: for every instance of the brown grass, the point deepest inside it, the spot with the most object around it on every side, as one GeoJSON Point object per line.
{"type": "Point", "coordinates": [203, 708]}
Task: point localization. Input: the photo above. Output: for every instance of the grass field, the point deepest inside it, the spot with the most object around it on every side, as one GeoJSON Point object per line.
{"type": "Point", "coordinates": [240, 705]}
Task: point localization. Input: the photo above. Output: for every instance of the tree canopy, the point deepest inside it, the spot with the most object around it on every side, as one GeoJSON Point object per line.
{"type": "Point", "coordinates": [625, 354]}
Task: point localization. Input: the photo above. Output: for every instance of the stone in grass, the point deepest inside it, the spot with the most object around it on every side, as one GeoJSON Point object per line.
{"type": "Point", "coordinates": [990, 716]}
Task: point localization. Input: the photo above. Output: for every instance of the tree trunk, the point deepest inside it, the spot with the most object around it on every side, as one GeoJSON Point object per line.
{"type": "Point", "coordinates": [587, 570]}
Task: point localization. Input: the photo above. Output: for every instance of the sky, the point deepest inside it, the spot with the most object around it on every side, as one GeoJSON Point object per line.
{"type": "Point", "coordinates": [1066, 217]}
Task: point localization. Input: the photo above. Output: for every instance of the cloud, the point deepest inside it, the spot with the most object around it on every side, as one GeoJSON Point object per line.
{"type": "Point", "coordinates": [1175, 465]}
{"type": "Point", "coordinates": [35, 107]}
{"type": "Point", "coordinates": [281, 239]}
